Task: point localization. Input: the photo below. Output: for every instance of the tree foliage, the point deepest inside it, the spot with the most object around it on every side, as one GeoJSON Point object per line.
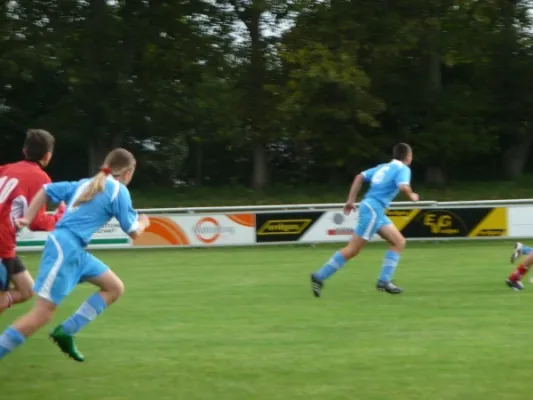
{"type": "Point", "coordinates": [271, 91]}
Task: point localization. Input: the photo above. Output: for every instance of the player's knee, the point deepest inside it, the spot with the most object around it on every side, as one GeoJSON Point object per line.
{"type": "Point", "coordinates": [116, 289]}
{"type": "Point", "coordinates": [120, 288]}
{"type": "Point", "coordinates": [401, 243]}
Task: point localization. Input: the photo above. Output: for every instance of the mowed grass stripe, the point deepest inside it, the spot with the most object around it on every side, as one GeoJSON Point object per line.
{"type": "Point", "coordinates": [242, 324]}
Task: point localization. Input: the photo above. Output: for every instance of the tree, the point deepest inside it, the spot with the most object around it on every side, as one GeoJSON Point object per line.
{"type": "Point", "coordinates": [257, 70]}
{"type": "Point", "coordinates": [508, 77]}
{"type": "Point", "coordinates": [405, 59]}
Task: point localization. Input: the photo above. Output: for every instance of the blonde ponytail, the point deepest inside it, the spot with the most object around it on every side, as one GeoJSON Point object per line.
{"type": "Point", "coordinates": [116, 163]}
{"type": "Point", "coordinates": [95, 186]}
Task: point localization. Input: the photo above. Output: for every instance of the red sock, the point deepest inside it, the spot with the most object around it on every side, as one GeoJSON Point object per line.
{"type": "Point", "coordinates": [519, 272]}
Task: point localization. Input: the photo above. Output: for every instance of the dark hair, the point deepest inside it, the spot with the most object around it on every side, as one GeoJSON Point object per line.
{"type": "Point", "coordinates": [37, 144]}
{"type": "Point", "coordinates": [401, 151]}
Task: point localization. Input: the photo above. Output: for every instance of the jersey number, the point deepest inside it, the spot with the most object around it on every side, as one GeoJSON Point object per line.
{"type": "Point", "coordinates": [380, 174]}
{"type": "Point", "coordinates": [6, 187]}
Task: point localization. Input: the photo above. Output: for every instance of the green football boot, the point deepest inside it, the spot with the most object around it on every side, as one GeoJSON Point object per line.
{"type": "Point", "coordinates": [66, 343]}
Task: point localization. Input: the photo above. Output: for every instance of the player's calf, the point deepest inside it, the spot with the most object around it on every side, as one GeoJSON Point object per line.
{"type": "Point", "coordinates": [111, 286]}
{"type": "Point", "coordinates": [15, 335]}
{"type": "Point", "coordinates": [115, 291]}
{"type": "Point", "coordinates": [11, 297]}
{"type": "Point", "coordinates": [23, 283]}
{"type": "Point", "coordinates": [40, 315]}
{"type": "Point", "coordinates": [12, 271]}
{"type": "Point", "coordinates": [6, 301]}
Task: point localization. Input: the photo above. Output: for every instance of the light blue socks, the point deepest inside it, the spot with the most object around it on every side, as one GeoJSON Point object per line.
{"type": "Point", "coordinates": [390, 261]}
{"type": "Point", "coordinates": [333, 265]}
{"type": "Point", "coordinates": [10, 340]}
{"type": "Point", "coordinates": [94, 306]}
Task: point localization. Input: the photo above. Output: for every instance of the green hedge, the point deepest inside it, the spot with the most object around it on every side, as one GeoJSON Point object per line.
{"type": "Point", "coordinates": [198, 197]}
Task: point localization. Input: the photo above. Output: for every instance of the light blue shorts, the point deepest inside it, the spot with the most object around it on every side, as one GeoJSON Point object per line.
{"type": "Point", "coordinates": [64, 264]}
{"type": "Point", "coordinates": [372, 218]}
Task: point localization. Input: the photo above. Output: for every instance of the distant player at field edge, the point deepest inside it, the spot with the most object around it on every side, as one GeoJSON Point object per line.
{"type": "Point", "coordinates": [19, 183]}
{"type": "Point", "coordinates": [514, 281]}
{"type": "Point", "coordinates": [91, 203]}
{"type": "Point", "coordinates": [386, 180]}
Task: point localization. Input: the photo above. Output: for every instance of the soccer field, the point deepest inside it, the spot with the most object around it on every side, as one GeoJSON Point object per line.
{"type": "Point", "coordinates": [241, 324]}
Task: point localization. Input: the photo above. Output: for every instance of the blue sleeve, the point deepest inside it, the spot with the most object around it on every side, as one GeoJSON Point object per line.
{"type": "Point", "coordinates": [124, 212]}
{"type": "Point", "coordinates": [369, 173]}
{"type": "Point", "coordinates": [60, 191]}
{"type": "Point", "coordinates": [403, 177]}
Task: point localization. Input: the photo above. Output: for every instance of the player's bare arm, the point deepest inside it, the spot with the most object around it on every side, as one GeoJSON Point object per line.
{"type": "Point", "coordinates": [144, 222]}
{"type": "Point", "coordinates": [46, 222]}
{"type": "Point", "coordinates": [36, 204]}
{"type": "Point", "coordinates": [408, 192]}
{"type": "Point", "coordinates": [352, 195]}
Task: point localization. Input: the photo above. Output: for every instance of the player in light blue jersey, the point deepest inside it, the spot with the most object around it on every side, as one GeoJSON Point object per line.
{"type": "Point", "coordinates": [64, 263]}
{"type": "Point", "coordinates": [386, 181]}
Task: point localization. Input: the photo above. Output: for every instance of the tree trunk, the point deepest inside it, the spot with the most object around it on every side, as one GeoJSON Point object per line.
{"type": "Point", "coordinates": [335, 177]}
{"type": "Point", "coordinates": [516, 154]}
{"type": "Point", "coordinates": [435, 61]}
{"type": "Point", "coordinates": [255, 93]}
{"type": "Point", "coordinates": [199, 173]}
{"type": "Point", "coordinates": [515, 158]}
{"type": "Point", "coordinates": [260, 169]}
{"type": "Point", "coordinates": [435, 176]}
{"type": "Point", "coordinates": [97, 152]}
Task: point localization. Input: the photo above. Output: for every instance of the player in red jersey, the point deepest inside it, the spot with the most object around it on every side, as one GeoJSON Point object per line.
{"type": "Point", "coordinates": [19, 183]}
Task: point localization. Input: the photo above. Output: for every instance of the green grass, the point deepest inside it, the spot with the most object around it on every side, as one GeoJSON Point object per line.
{"type": "Point", "coordinates": [228, 196]}
{"type": "Point", "coordinates": [241, 324]}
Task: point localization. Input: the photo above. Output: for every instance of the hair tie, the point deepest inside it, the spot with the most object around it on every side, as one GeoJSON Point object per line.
{"type": "Point", "coordinates": [106, 170]}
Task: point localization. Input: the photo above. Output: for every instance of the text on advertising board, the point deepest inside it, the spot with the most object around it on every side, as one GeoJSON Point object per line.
{"type": "Point", "coordinates": [281, 227]}
{"type": "Point", "coordinates": [208, 230]}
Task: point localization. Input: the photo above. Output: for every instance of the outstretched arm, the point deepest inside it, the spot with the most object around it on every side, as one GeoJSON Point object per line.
{"type": "Point", "coordinates": [408, 192]}
{"type": "Point", "coordinates": [47, 222]}
{"type": "Point", "coordinates": [38, 202]}
{"type": "Point", "coordinates": [36, 217]}
{"type": "Point", "coordinates": [356, 187]}
{"type": "Point", "coordinates": [403, 181]}
{"type": "Point", "coordinates": [130, 221]}
{"type": "Point", "coordinates": [365, 176]}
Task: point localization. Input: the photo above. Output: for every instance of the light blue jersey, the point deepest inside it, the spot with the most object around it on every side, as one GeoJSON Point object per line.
{"type": "Point", "coordinates": [65, 262]}
{"type": "Point", "coordinates": [385, 181]}
{"type": "Point", "coordinates": [83, 221]}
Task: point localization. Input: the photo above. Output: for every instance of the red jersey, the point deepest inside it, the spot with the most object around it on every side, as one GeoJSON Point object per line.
{"type": "Point", "coordinates": [19, 183]}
